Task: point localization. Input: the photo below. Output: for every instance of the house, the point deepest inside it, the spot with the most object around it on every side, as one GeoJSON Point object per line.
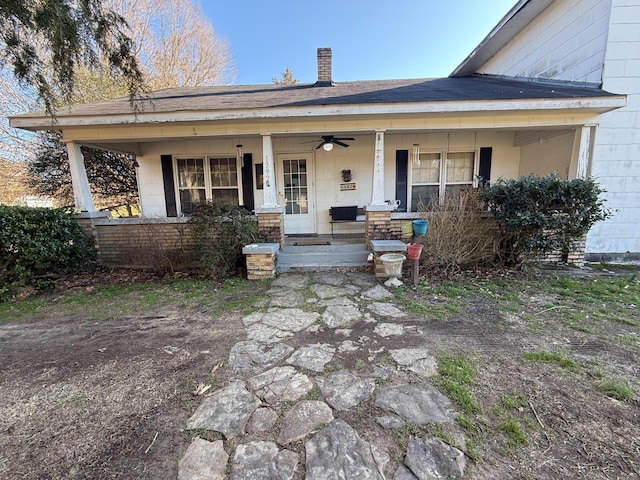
{"type": "Point", "coordinates": [534, 97]}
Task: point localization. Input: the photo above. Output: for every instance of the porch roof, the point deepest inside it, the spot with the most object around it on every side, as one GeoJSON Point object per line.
{"type": "Point", "coordinates": [472, 93]}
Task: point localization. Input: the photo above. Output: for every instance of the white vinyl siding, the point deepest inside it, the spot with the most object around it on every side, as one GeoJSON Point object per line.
{"type": "Point", "coordinates": [567, 41]}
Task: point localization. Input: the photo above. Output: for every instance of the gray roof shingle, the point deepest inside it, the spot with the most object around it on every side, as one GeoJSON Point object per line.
{"type": "Point", "coordinates": [239, 97]}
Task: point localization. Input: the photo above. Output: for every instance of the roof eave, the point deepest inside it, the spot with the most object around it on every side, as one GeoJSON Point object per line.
{"type": "Point", "coordinates": [507, 28]}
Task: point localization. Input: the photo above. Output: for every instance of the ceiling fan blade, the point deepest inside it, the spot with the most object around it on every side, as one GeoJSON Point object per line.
{"type": "Point", "coordinates": [339, 143]}
{"type": "Point", "coordinates": [321, 144]}
{"type": "Point", "coordinates": [345, 138]}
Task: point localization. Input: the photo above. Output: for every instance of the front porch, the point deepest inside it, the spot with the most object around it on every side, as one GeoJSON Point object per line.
{"type": "Point", "coordinates": [391, 173]}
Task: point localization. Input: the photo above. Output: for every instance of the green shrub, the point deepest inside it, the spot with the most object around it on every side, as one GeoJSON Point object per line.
{"type": "Point", "coordinates": [538, 215]}
{"type": "Point", "coordinates": [39, 241]}
{"type": "Point", "coordinates": [219, 233]}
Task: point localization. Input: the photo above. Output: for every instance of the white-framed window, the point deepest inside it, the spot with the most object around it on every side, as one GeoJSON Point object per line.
{"type": "Point", "coordinates": [206, 178]}
{"type": "Point", "coordinates": [431, 178]}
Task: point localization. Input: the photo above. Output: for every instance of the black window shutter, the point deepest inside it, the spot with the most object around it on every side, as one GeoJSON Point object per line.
{"type": "Point", "coordinates": [247, 182]}
{"type": "Point", "coordinates": [402, 175]}
{"type": "Point", "coordinates": [484, 170]}
{"type": "Point", "coordinates": [169, 186]}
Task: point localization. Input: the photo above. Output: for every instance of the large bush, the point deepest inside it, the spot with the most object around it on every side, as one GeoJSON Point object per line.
{"type": "Point", "coordinates": [219, 233]}
{"type": "Point", "coordinates": [538, 215]}
{"type": "Point", "coordinates": [38, 241]}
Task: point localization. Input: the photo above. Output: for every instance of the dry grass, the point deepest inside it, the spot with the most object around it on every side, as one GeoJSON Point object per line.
{"type": "Point", "coordinates": [459, 232]}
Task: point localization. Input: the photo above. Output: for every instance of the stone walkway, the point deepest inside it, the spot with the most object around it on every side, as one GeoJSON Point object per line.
{"type": "Point", "coordinates": [323, 389]}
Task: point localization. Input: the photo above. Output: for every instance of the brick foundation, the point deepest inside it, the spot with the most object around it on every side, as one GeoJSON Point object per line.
{"type": "Point", "coordinates": [261, 260]}
{"type": "Point", "coordinates": [379, 226]}
{"type": "Point", "coordinates": [575, 255]}
{"type": "Point", "coordinates": [142, 242]}
{"type": "Point", "coordinates": [87, 223]}
{"type": "Point", "coordinates": [271, 226]}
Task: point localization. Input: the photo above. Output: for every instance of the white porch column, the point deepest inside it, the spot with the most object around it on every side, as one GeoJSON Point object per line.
{"type": "Point", "coordinates": [268, 172]}
{"type": "Point", "coordinates": [582, 152]}
{"type": "Point", "coordinates": [79, 180]}
{"type": "Point", "coordinates": [377, 188]}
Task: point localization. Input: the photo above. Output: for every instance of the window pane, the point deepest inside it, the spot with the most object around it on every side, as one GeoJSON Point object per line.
{"type": "Point", "coordinates": [224, 172]}
{"type": "Point", "coordinates": [226, 195]}
{"type": "Point", "coordinates": [454, 190]}
{"type": "Point", "coordinates": [460, 167]}
{"type": "Point", "coordinates": [190, 172]}
{"type": "Point", "coordinates": [426, 194]}
{"type": "Point", "coordinates": [429, 169]}
{"type": "Point", "coordinates": [190, 199]}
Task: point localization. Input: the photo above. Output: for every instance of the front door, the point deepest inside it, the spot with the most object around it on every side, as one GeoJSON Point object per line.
{"type": "Point", "coordinates": [295, 188]}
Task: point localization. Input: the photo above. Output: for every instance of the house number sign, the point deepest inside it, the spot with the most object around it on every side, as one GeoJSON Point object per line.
{"type": "Point", "coordinates": [347, 186]}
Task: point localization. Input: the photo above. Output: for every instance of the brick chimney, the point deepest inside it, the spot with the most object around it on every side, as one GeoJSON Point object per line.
{"type": "Point", "coordinates": [324, 68]}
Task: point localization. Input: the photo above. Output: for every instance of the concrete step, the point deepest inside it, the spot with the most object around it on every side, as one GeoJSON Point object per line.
{"type": "Point", "coordinates": [345, 248]}
{"type": "Point", "coordinates": [321, 257]}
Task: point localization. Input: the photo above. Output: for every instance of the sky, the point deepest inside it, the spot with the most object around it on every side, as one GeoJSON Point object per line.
{"type": "Point", "coordinates": [370, 39]}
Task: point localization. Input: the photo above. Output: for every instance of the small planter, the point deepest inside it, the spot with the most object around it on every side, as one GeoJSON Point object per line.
{"type": "Point", "coordinates": [420, 227]}
{"type": "Point", "coordinates": [415, 250]}
{"type": "Point", "coordinates": [393, 268]}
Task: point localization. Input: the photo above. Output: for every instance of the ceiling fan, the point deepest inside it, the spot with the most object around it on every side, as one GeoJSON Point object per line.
{"type": "Point", "coordinates": [328, 140]}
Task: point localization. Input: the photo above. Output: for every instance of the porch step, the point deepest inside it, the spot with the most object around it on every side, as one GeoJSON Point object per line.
{"type": "Point", "coordinates": [314, 258]}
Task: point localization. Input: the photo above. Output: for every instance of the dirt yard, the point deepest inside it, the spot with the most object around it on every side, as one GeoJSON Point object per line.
{"type": "Point", "coordinates": [97, 379]}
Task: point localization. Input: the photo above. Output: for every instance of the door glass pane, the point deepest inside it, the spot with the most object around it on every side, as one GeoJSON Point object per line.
{"type": "Point", "coordinates": [295, 186]}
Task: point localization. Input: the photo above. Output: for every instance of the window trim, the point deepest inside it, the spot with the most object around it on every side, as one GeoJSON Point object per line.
{"type": "Point", "coordinates": [442, 181]}
{"type": "Point", "coordinates": [208, 187]}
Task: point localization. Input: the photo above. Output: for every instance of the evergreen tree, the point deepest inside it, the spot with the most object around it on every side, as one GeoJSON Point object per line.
{"type": "Point", "coordinates": [45, 41]}
{"type": "Point", "coordinates": [286, 79]}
